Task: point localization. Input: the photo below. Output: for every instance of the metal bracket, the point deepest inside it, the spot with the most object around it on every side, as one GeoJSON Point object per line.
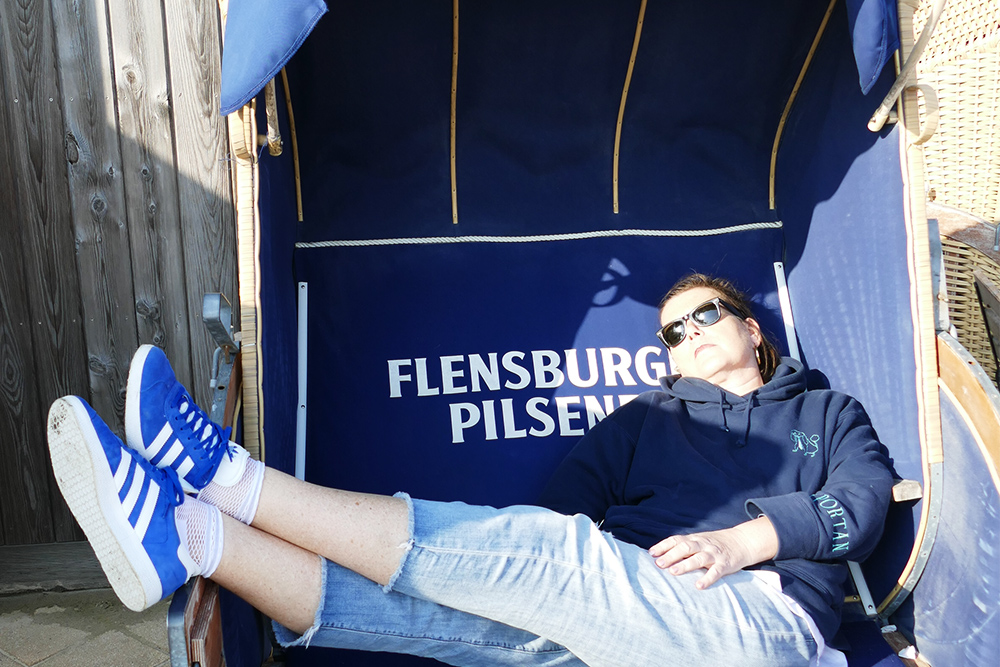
{"type": "Point", "coordinates": [176, 637]}
{"type": "Point", "coordinates": [862, 587]}
{"type": "Point", "coordinates": [217, 314]}
{"type": "Point", "coordinates": [941, 318]}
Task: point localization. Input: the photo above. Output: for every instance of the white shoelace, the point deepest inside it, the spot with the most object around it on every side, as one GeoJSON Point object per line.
{"type": "Point", "coordinates": [211, 437]}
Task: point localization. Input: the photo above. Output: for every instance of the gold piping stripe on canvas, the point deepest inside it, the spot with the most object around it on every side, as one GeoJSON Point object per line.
{"type": "Point", "coordinates": [295, 143]}
{"type": "Point", "coordinates": [621, 107]}
{"type": "Point", "coordinates": [791, 101]}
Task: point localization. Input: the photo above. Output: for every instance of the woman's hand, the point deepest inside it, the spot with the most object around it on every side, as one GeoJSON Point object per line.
{"type": "Point", "coordinates": [721, 552]}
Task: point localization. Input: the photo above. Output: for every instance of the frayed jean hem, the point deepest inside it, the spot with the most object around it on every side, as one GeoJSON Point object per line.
{"type": "Point", "coordinates": [407, 546]}
{"type": "Point", "coordinates": [288, 638]}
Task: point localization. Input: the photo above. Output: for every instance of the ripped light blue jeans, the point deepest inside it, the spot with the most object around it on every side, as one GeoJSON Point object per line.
{"type": "Point", "coordinates": [527, 586]}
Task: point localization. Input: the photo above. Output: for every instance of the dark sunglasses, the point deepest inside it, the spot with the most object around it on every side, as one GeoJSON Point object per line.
{"type": "Point", "coordinates": [705, 315]}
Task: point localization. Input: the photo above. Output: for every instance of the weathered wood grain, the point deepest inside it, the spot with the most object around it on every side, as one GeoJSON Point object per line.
{"type": "Point", "coordinates": [23, 468]}
{"type": "Point", "coordinates": [95, 256]}
{"type": "Point", "coordinates": [25, 506]}
{"type": "Point", "coordinates": [97, 193]}
{"type": "Point", "coordinates": [194, 41]}
{"type": "Point", "coordinates": [35, 144]}
{"type": "Point", "coordinates": [149, 173]}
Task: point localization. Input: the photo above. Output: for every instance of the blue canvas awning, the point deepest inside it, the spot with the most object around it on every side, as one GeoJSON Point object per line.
{"type": "Point", "coordinates": [261, 36]}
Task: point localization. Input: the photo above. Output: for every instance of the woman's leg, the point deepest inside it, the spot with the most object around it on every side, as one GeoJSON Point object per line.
{"type": "Point", "coordinates": [280, 579]}
{"type": "Point", "coordinates": [319, 603]}
{"type": "Point", "coordinates": [550, 575]}
{"type": "Point", "coordinates": [150, 539]}
{"type": "Point", "coordinates": [553, 576]}
{"type": "Point", "coordinates": [365, 533]}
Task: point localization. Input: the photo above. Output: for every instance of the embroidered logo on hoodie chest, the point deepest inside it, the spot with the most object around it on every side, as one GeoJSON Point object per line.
{"type": "Point", "coordinates": [807, 445]}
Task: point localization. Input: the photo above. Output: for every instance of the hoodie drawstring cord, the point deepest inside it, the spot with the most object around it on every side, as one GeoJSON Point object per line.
{"type": "Point", "coordinates": [723, 404]}
{"type": "Point", "coordinates": [751, 403]}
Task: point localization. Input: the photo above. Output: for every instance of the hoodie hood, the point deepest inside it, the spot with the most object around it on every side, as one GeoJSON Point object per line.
{"type": "Point", "coordinates": [728, 409]}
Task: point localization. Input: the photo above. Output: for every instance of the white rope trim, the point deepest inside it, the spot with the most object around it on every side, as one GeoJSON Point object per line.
{"type": "Point", "coordinates": [544, 237]}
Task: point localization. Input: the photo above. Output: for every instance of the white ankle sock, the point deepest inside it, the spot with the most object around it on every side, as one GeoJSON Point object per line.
{"type": "Point", "coordinates": [199, 526]}
{"type": "Point", "coordinates": [236, 487]}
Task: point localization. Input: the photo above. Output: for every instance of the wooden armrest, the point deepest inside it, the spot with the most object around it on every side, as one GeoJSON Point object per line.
{"type": "Point", "coordinates": [906, 489]}
{"type": "Point", "coordinates": [905, 651]}
{"type": "Point", "coordinates": [203, 625]}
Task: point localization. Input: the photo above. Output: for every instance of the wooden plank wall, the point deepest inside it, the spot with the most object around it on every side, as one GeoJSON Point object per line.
{"type": "Point", "coordinates": [116, 216]}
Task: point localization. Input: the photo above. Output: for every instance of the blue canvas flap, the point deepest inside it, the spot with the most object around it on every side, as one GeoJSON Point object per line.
{"type": "Point", "coordinates": [260, 38]}
{"type": "Point", "coordinates": [875, 34]}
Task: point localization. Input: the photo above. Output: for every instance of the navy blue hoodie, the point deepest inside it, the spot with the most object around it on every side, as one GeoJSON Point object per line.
{"type": "Point", "coordinates": [695, 457]}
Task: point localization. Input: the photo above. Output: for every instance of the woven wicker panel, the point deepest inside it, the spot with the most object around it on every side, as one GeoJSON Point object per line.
{"type": "Point", "coordinates": [966, 26]}
{"type": "Point", "coordinates": [962, 63]}
{"type": "Point", "coordinates": [960, 260]}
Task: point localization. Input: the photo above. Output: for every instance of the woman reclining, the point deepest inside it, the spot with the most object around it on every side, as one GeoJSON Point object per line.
{"type": "Point", "coordinates": [707, 523]}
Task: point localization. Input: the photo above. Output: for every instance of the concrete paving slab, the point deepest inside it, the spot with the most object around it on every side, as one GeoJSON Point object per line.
{"type": "Point", "coordinates": [6, 661]}
{"type": "Point", "coordinates": [153, 631]}
{"type": "Point", "coordinates": [30, 642]}
{"type": "Point", "coordinates": [109, 649]}
{"type": "Point", "coordinates": [80, 628]}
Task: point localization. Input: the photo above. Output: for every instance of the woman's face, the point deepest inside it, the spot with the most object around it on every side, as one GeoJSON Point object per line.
{"type": "Point", "coordinates": [723, 353]}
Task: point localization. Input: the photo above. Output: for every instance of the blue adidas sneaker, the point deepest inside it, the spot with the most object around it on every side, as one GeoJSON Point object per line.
{"type": "Point", "coordinates": [124, 505]}
{"type": "Point", "coordinates": [163, 423]}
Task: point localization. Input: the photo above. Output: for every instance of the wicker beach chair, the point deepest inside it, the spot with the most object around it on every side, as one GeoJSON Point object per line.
{"type": "Point", "coordinates": [524, 178]}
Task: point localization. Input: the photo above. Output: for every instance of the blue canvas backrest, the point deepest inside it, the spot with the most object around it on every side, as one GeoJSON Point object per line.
{"type": "Point", "coordinates": [538, 244]}
{"type": "Point", "coordinates": [465, 371]}
{"type": "Point", "coordinates": [467, 358]}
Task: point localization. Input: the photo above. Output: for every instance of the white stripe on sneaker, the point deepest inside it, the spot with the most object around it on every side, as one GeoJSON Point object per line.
{"type": "Point", "coordinates": [160, 440]}
{"type": "Point", "coordinates": [142, 524]}
{"type": "Point", "coordinates": [176, 450]}
{"type": "Point", "coordinates": [133, 492]}
{"type": "Point", "coordinates": [185, 467]}
{"type": "Point", "coordinates": [121, 474]}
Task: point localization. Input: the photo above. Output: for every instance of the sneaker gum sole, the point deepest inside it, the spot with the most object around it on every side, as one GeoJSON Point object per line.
{"type": "Point", "coordinates": [82, 473]}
